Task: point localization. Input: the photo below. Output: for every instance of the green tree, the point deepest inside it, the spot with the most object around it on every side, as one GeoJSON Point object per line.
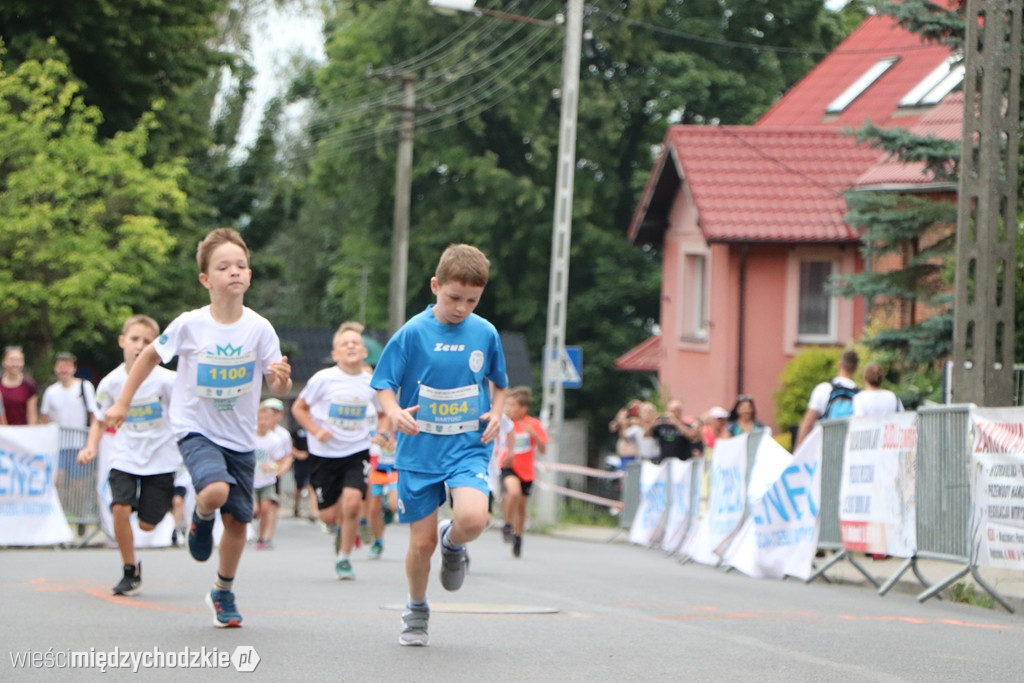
{"type": "Point", "coordinates": [484, 160]}
{"type": "Point", "coordinates": [84, 219]}
{"type": "Point", "coordinates": [917, 225]}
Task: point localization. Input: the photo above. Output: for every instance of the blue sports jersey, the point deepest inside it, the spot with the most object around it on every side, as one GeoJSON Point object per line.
{"type": "Point", "coordinates": [444, 369]}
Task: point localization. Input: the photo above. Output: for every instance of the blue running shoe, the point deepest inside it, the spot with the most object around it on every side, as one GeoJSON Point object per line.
{"type": "Point", "coordinates": [225, 614]}
{"type": "Point", "coordinates": [200, 538]}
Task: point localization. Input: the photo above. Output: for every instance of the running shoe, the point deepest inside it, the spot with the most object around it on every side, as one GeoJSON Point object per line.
{"type": "Point", "coordinates": [388, 515]}
{"type": "Point", "coordinates": [365, 533]}
{"type": "Point", "coordinates": [414, 626]}
{"type": "Point", "coordinates": [343, 568]}
{"type": "Point", "coordinates": [454, 563]}
{"type": "Point", "coordinates": [131, 582]}
{"type": "Point", "coordinates": [506, 533]}
{"type": "Point", "coordinates": [225, 614]}
{"type": "Point", "coordinates": [517, 546]}
{"type": "Point", "coordinates": [376, 549]}
{"type": "Point", "coordinates": [200, 538]}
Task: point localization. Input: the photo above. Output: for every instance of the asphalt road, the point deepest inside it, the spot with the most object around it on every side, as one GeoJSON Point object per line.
{"type": "Point", "coordinates": [568, 610]}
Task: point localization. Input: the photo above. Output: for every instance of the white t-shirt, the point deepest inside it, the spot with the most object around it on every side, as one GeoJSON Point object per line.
{"type": "Point", "coordinates": [342, 404]}
{"type": "Point", "coordinates": [220, 374]}
{"type": "Point", "coordinates": [145, 443]}
{"type": "Point", "coordinates": [819, 397]}
{"type": "Point", "coordinates": [647, 446]}
{"type": "Point", "coordinates": [272, 447]}
{"type": "Point", "coordinates": [876, 402]}
{"type": "Point", "coordinates": [64, 405]}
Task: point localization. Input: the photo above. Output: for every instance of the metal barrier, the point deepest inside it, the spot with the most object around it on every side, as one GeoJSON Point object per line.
{"type": "Point", "coordinates": [76, 484]}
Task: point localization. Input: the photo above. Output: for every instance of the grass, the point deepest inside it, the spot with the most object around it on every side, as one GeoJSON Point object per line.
{"type": "Point", "coordinates": [966, 593]}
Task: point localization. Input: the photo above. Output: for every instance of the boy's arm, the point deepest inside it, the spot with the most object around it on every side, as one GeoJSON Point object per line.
{"type": "Point", "coordinates": [144, 364]}
{"type": "Point", "coordinates": [497, 409]}
{"type": "Point", "coordinates": [92, 442]}
{"type": "Point", "coordinates": [401, 420]}
{"type": "Point", "coordinates": [302, 415]}
{"type": "Point", "coordinates": [279, 377]}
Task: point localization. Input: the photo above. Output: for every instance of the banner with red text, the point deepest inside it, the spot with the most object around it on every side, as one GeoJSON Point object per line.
{"type": "Point", "coordinates": [997, 484]}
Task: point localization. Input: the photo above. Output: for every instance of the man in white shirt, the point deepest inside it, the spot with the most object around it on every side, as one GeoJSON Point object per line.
{"type": "Point", "coordinates": [69, 403]}
{"type": "Point", "coordinates": [818, 403]}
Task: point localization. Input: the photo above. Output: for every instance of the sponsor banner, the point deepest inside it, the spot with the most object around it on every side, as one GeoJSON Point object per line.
{"type": "Point", "coordinates": [997, 484]}
{"type": "Point", "coordinates": [30, 510]}
{"type": "Point", "coordinates": [877, 510]}
{"type": "Point", "coordinates": [780, 536]}
{"type": "Point", "coordinates": [649, 521]}
{"type": "Point", "coordinates": [682, 475]}
{"type": "Point", "coordinates": [727, 500]}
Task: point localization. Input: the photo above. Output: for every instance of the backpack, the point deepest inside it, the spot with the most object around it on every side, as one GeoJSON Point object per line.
{"type": "Point", "coordinates": [840, 402]}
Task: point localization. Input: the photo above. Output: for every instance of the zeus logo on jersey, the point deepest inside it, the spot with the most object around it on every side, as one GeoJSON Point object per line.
{"type": "Point", "coordinates": [440, 346]}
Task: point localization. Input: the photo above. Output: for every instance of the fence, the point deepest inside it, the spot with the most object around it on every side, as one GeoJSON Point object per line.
{"type": "Point", "coordinates": [76, 485]}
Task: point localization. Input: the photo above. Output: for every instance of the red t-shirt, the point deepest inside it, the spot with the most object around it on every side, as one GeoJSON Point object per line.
{"type": "Point", "coordinates": [16, 401]}
{"type": "Point", "coordinates": [525, 446]}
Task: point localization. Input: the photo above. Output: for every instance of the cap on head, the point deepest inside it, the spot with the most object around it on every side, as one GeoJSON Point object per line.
{"type": "Point", "coordinates": [273, 404]}
{"type": "Point", "coordinates": [719, 412]}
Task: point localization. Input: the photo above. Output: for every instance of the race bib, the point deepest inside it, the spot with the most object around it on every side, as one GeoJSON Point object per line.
{"type": "Point", "coordinates": [522, 443]}
{"type": "Point", "coordinates": [225, 376]}
{"type": "Point", "coordinates": [347, 416]}
{"type": "Point", "coordinates": [145, 414]}
{"type": "Point", "coordinates": [448, 411]}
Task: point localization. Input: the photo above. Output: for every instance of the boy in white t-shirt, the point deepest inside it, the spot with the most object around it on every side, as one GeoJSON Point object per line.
{"type": "Point", "coordinates": [224, 351]}
{"type": "Point", "coordinates": [144, 455]}
{"type": "Point", "coordinates": [334, 409]}
{"type": "Point", "coordinates": [273, 458]}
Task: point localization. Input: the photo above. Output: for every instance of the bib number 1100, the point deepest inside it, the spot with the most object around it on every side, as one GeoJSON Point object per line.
{"type": "Point", "coordinates": [228, 374]}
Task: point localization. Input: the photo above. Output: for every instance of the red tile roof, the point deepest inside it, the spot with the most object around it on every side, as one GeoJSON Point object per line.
{"type": "Point", "coordinates": [944, 121]}
{"type": "Point", "coordinates": [761, 184]}
{"type": "Point", "coordinates": [644, 357]}
{"type": "Point", "coordinates": [879, 37]}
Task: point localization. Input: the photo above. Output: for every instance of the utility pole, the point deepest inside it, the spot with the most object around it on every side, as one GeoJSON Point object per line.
{"type": "Point", "coordinates": [983, 313]}
{"type": "Point", "coordinates": [403, 190]}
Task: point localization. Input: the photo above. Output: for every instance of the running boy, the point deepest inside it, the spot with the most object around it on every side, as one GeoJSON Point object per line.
{"type": "Point", "coordinates": [144, 456]}
{"type": "Point", "coordinates": [224, 350]}
{"type": "Point", "coordinates": [517, 471]}
{"type": "Point", "coordinates": [334, 408]}
{"type": "Point", "coordinates": [433, 384]}
{"type": "Point", "coordinates": [273, 458]}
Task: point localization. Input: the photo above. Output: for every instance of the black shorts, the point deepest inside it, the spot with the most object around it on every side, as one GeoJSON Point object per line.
{"type": "Point", "coordinates": [150, 494]}
{"type": "Point", "coordinates": [329, 476]}
{"type": "Point", "coordinates": [526, 486]}
{"type": "Point", "coordinates": [300, 470]}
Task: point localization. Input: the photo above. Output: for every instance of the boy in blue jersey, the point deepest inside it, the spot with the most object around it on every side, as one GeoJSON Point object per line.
{"type": "Point", "coordinates": [433, 380]}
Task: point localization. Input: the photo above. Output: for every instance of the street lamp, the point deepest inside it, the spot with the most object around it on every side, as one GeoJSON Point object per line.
{"type": "Point", "coordinates": [553, 404]}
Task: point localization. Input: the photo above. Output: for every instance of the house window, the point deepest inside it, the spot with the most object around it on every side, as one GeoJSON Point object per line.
{"type": "Point", "coordinates": [694, 318]}
{"type": "Point", "coordinates": [817, 313]}
{"type": "Point", "coordinates": [860, 85]}
{"type": "Point", "coordinates": [936, 85]}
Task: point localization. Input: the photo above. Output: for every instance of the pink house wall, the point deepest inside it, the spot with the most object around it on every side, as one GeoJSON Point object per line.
{"type": "Point", "coordinates": [703, 372]}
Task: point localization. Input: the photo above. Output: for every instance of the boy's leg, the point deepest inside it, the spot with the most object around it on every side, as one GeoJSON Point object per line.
{"type": "Point", "coordinates": [422, 542]}
{"type": "Point", "coordinates": [232, 543]}
{"type": "Point", "coordinates": [349, 509]}
{"type": "Point", "coordinates": [510, 500]}
{"type": "Point", "coordinates": [376, 512]}
{"type": "Point", "coordinates": [469, 509]}
{"type": "Point", "coordinates": [122, 515]}
{"type": "Point", "coordinates": [270, 513]}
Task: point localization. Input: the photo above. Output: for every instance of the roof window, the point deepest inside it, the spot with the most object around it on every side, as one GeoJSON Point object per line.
{"type": "Point", "coordinates": [860, 85]}
{"type": "Point", "coordinates": [936, 85]}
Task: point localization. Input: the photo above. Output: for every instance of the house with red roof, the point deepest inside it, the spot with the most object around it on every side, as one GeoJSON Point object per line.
{"type": "Point", "coordinates": [750, 219]}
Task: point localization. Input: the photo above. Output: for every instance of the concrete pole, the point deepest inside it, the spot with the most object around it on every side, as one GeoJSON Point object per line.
{"type": "Point", "coordinates": [403, 191]}
{"type": "Point", "coordinates": [552, 408]}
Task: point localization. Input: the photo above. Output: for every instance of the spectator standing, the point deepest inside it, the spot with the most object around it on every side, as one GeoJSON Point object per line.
{"type": "Point", "coordinates": [20, 400]}
{"type": "Point", "coordinates": [827, 394]}
{"type": "Point", "coordinates": [715, 426]}
{"type": "Point", "coordinates": [743, 416]}
{"type": "Point", "coordinates": [676, 436]}
{"type": "Point", "coordinates": [873, 399]}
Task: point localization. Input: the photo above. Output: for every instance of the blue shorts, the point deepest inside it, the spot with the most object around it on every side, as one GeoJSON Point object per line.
{"type": "Point", "coordinates": [420, 493]}
{"type": "Point", "coordinates": [209, 463]}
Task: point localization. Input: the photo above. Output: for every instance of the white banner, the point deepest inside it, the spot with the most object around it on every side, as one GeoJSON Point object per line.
{"type": "Point", "coordinates": [30, 510]}
{"type": "Point", "coordinates": [780, 537]}
{"type": "Point", "coordinates": [682, 476]}
{"type": "Point", "coordinates": [726, 501]}
{"type": "Point", "coordinates": [997, 486]}
{"type": "Point", "coordinates": [648, 523]}
{"type": "Point", "coordinates": [877, 510]}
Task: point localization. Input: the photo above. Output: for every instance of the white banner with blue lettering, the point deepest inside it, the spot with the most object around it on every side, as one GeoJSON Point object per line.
{"type": "Point", "coordinates": [649, 521]}
{"type": "Point", "coordinates": [877, 499]}
{"type": "Point", "coordinates": [30, 511]}
{"type": "Point", "coordinates": [726, 501]}
{"type": "Point", "coordinates": [780, 536]}
{"type": "Point", "coordinates": [684, 479]}
{"type": "Point", "coordinates": [997, 485]}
